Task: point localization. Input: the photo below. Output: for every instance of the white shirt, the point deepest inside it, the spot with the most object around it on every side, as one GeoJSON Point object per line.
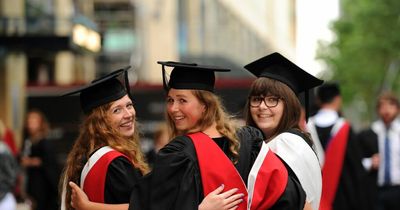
{"type": "Point", "coordinates": [394, 144]}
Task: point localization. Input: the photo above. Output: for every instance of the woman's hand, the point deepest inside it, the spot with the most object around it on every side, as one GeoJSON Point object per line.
{"type": "Point", "coordinates": [218, 200]}
{"type": "Point", "coordinates": [79, 199]}
{"type": "Point", "coordinates": [307, 206]}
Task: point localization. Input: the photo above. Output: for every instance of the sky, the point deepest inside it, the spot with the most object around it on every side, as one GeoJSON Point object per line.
{"type": "Point", "coordinates": [314, 19]}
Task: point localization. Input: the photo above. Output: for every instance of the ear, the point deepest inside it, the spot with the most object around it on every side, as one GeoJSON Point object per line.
{"type": "Point", "coordinates": [204, 108]}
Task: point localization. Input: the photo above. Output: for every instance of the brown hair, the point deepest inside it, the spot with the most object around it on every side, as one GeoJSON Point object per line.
{"type": "Point", "coordinates": [215, 112]}
{"type": "Point", "coordinates": [292, 107]}
{"type": "Point", "coordinates": [388, 96]}
{"type": "Point", "coordinates": [96, 132]}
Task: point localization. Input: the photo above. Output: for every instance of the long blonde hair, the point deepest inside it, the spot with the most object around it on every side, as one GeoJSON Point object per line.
{"type": "Point", "coordinates": [215, 112]}
{"type": "Point", "coordinates": [96, 132]}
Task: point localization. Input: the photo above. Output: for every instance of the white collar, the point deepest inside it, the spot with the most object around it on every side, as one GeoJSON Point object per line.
{"type": "Point", "coordinates": [326, 117]}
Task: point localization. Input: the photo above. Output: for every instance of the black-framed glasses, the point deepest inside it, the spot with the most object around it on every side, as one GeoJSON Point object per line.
{"type": "Point", "coordinates": [270, 101]}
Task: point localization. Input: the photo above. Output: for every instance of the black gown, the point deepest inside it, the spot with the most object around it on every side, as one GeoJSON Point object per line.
{"type": "Point", "coordinates": [351, 191]}
{"type": "Point", "coordinates": [368, 141]}
{"type": "Point", "coordinates": [120, 179]}
{"type": "Point", "coordinates": [175, 182]}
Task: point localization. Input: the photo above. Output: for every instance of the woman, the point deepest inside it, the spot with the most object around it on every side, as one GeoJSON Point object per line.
{"type": "Point", "coordinates": [38, 159]}
{"type": "Point", "coordinates": [106, 159]}
{"type": "Point", "coordinates": [204, 149]}
{"type": "Point", "coordinates": [274, 108]}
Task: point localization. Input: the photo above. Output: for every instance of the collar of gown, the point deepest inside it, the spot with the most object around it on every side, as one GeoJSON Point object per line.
{"type": "Point", "coordinates": [326, 117]}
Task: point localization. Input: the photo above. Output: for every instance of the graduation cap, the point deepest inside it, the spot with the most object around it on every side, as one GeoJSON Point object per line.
{"type": "Point", "coordinates": [276, 66]}
{"type": "Point", "coordinates": [328, 91]}
{"type": "Point", "coordinates": [103, 90]}
{"type": "Point", "coordinates": [189, 76]}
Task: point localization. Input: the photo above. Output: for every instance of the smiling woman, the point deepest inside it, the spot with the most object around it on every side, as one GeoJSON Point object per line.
{"type": "Point", "coordinates": [106, 159]}
{"type": "Point", "coordinates": [122, 116]}
{"type": "Point", "coordinates": [274, 108]}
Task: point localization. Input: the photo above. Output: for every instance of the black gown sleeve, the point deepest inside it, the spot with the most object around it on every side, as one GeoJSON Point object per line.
{"type": "Point", "coordinates": [250, 144]}
{"type": "Point", "coordinates": [175, 182]}
{"type": "Point", "coordinates": [251, 141]}
{"type": "Point", "coordinates": [294, 196]}
{"type": "Point", "coordinates": [368, 143]}
{"type": "Point", "coordinates": [120, 179]}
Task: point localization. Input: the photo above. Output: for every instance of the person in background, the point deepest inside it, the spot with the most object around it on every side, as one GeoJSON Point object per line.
{"type": "Point", "coordinates": [338, 153]}
{"type": "Point", "coordinates": [38, 159]}
{"type": "Point", "coordinates": [161, 138]}
{"type": "Point", "coordinates": [8, 138]}
{"type": "Point", "coordinates": [274, 107]}
{"type": "Point", "coordinates": [8, 175]}
{"type": "Point", "coordinates": [380, 147]}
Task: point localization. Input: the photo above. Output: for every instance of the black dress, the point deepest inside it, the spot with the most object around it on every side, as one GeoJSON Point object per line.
{"type": "Point", "coordinates": [42, 181]}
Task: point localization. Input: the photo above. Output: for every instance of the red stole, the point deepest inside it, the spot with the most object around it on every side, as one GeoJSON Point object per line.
{"type": "Point", "coordinates": [267, 180]}
{"type": "Point", "coordinates": [332, 168]}
{"type": "Point", "coordinates": [95, 180]}
{"type": "Point", "coordinates": [216, 168]}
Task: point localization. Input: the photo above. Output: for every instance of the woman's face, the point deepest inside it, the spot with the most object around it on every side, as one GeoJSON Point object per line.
{"type": "Point", "coordinates": [184, 109]}
{"type": "Point", "coordinates": [33, 122]}
{"type": "Point", "coordinates": [266, 117]}
{"type": "Point", "coordinates": [122, 116]}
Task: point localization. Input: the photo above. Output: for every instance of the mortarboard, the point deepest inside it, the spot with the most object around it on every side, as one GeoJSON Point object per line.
{"type": "Point", "coordinates": [276, 66]}
{"type": "Point", "coordinates": [190, 76]}
{"type": "Point", "coordinates": [328, 91]}
{"type": "Point", "coordinates": [103, 90]}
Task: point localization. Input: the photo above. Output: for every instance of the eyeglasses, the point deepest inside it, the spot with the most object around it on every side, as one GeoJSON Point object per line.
{"type": "Point", "coordinates": [270, 101]}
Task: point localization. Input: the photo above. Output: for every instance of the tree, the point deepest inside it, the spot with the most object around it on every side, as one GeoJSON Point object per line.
{"type": "Point", "coordinates": [365, 56]}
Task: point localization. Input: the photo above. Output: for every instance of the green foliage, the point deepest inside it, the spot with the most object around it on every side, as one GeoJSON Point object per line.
{"type": "Point", "coordinates": [367, 43]}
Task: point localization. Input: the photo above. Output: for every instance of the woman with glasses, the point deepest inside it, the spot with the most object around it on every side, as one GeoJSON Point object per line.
{"type": "Point", "coordinates": [291, 167]}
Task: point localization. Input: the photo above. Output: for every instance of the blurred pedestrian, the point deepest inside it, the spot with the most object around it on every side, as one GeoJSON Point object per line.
{"type": "Point", "coordinates": [38, 158]}
{"type": "Point", "coordinates": [8, 138]}
{"type": "Point", "coordinates": [161, 138]}
{"type": "Point", "coordinates": [380, 146]}
{"type": "Point", "coordinates": [8, 175]}
{"type": "Point", "coordinates": [338, 153]}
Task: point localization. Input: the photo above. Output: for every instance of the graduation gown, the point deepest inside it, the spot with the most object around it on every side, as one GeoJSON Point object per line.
{"type": "Point", "coordinates": [300, 174]}
{"type": "Point", "coordinates": [175, 182]}
{"type": "Point", "coordinates": [109, 177]}
{"type": "Point", "coordinates": [368, 141]}
{"type": "Point", "coordinates": [349, 190]}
